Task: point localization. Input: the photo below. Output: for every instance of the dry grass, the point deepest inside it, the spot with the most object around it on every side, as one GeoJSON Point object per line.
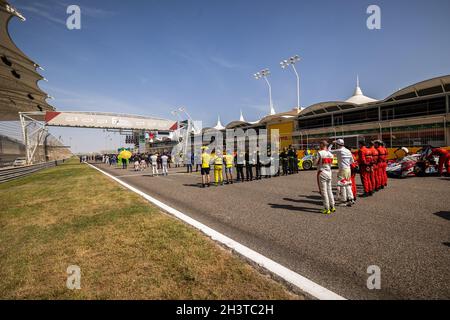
{"type": "Point", "coordinates": [126, 248]}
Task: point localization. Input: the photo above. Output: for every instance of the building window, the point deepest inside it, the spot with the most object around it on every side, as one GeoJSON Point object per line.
{"type": "Point", "coordinates": [361, 116]}
{"type": "Point", "coordinates": [338, 120]}
{"type": "Point", "coordinates": [418, 108]}
{"type": "Point", "coordinates": [320, 122]}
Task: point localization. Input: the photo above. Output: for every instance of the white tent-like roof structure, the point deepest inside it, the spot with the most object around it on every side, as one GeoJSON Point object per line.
{"type": "Point", "coordinates": [358, 96]}
{"type": "Point", "coordinates": [241, 118]}
{"type": "Point", "coordinates": [219, 125]}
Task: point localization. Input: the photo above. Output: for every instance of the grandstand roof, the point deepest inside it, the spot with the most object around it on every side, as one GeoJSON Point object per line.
{"type": "Point", "coordinates": [438, 85]}
{"type": "Point", "coordinates": [431, 86]}
{"type": "Point", "coordinates": [19, 89]}
{"type": "Point", "coordinates": [279, 116]}
{"type": "Point", "coordinates": [239, 123]}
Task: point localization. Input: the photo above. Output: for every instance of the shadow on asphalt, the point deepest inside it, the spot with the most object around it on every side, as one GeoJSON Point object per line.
{"type": "Point", "coordinates": [318, 203]}
{"type": "Point", "coordinates": [443, 214]}
{"type": "Point", "coordinates": [311, 197]}
{"type": "Point", "coordinates": [195, 185]}
{"type": "Point", "coordinates": [294, 208]}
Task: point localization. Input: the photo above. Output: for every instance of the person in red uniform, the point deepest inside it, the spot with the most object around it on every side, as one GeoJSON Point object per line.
{"type": "Point", "coordinates": [354, 170]}
{"type": "Point", "coordinates": [365, 163]}
{"type": "Point", "coordinates": [382, 163]}
{"type": "Point", "coordinates": [374, 173]}
{"type": "Point", "coordinates": [444, 159]}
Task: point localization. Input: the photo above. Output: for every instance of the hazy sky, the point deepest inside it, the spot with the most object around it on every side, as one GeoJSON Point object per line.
{"type": "Point", "coordinates": [148, 57]}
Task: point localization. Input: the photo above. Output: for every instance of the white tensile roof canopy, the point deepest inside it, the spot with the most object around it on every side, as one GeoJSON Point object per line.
{"type": "Point", "coordinates": [358, 96]}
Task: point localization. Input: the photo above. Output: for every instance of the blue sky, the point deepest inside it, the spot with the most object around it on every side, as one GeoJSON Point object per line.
{"type": "Point", "coordinates": [148, 57]}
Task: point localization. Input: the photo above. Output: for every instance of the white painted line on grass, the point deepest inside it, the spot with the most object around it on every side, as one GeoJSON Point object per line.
{"type": "Point", "coordinates": [288, 275]}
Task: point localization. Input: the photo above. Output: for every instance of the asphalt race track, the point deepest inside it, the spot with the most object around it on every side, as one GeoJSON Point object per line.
{"type": "Point", "coordinates": [404, 229]}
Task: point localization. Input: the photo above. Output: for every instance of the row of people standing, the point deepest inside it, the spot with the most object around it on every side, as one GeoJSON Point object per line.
{"type": "Point", "coordinates": [156, 161]}
{"type": "Point", "coordinates": [370, 161]}
{"type": "Point", "coordinates": [289, 161]}
{"type": "Point", "coordinates": [248, 166]}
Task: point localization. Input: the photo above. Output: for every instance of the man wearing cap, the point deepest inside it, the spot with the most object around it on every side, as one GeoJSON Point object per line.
{"type": "Point", "coordinates": [345, 160]}
{"type": "Point", "coordinates": [323, 160]}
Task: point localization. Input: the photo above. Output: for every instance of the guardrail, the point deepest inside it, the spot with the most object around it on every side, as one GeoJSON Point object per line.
{"type": "Point", "coordinates": [17, 172]}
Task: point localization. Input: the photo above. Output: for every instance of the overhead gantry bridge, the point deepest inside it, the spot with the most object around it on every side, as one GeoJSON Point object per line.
{"type": "Point", "coordinates": [35, 124]}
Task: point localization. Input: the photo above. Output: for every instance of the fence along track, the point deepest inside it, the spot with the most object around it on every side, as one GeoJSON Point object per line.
{"type": "Point", "coordinates": [9, 174]}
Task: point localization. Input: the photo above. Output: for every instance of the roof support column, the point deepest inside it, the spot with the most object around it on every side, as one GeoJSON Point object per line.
{"type": "Point", "coordinates": [446, 134]}
{"type": "Point", "coordinates": [447, 104]}
{"type": "Point", "coordinates": [446, 131]}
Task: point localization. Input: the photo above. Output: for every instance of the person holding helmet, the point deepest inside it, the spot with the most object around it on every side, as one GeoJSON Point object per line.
{"type": "Point", "coordinates": [365, 162]}
{"type": "Point", "coordinates": [345, 160]}
{"type": "Point", "coordinates": [323, 160]}
{"type": "Point", "coordinates": [206, 159]}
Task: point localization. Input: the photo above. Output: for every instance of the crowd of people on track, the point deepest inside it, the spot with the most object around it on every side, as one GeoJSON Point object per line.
{"type": "Point", "coordinates": [370, 161]}
{"type": "Point", "coordinates": [248, 166]}
{"type": "Point", "coordinates": [158, 162]}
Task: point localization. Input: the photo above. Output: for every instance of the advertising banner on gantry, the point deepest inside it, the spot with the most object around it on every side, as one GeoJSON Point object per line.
{"type": "Point", "coordinates": [106, 121]}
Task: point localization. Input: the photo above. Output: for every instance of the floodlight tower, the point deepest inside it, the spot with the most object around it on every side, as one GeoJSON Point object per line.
{"type": "Point", "coordinates": [263, 74]}
{"type": "Point", "coordinates": [291, 62]}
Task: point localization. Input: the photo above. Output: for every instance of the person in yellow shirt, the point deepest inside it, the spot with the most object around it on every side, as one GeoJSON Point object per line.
{"type": "Point", "coordinates": [218, 168]}
{"type": "Point", "coordinates": [206, 159]}
{"type": "Point", "coordinates": [228, 159]}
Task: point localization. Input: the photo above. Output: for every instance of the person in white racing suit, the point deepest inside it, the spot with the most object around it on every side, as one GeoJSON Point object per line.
{"type": "Point", "coordinates": [344, 183]}
{"type": "Point", "coordinates": [323, 160]}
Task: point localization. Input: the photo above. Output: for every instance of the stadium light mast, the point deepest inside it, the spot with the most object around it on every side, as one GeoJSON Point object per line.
{"type": "Point", "coordinates": [291, 62]}
{"type": "Point", "coordinates": [263, 74]}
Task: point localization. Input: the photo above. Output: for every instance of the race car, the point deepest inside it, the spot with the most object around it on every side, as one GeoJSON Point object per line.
{"type": "Point", "coordinates": [307, 162]}
{"type": "Point", "coordinates": [402, 168]}
{"type": "Point", "coordinates": [412, 165]}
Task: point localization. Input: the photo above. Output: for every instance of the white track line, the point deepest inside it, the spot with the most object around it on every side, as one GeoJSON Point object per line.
{"type": "Point", "coordinates": [288, 275]}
